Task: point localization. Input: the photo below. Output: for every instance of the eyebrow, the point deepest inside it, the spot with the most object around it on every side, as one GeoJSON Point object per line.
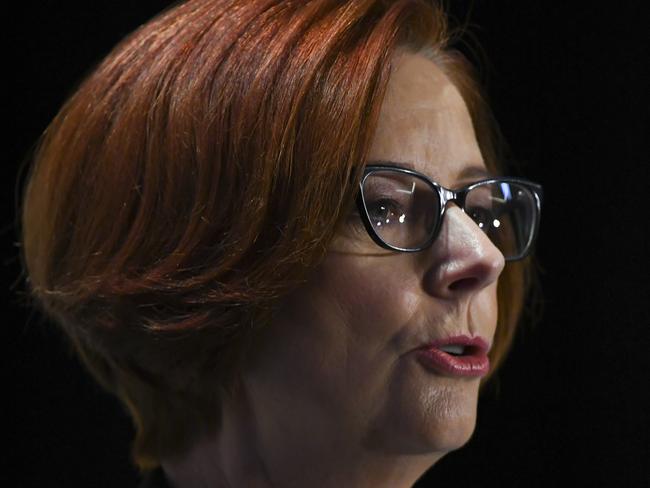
{"type": "Point", "coordinates": [468, 172]}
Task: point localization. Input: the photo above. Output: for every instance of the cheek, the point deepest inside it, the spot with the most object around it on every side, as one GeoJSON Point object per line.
{"type": "Point", "coordinates": [331, 342]}
{"type": "Point", "coordinates": [351, 314]}
{"type": "Point", "coordinates": [375, 299]}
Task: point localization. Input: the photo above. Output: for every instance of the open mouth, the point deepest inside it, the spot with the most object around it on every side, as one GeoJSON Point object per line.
{"type": "Point", "coordinates": [456, 360]}
{"type": "Point", "coordinates": [459, 350]}
{"type": "Point", "coordinates": [453, 349]}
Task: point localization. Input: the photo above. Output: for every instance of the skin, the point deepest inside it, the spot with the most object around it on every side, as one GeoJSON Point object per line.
{"type": "Point", "coordinates": [335, 396]}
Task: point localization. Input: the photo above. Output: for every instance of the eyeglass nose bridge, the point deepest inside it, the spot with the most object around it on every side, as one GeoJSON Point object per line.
{"type": "Point", "coordinates": [447, 195]}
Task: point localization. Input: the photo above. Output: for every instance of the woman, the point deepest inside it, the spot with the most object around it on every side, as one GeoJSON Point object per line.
{"type": "Point", "coordinates": [244, 221]}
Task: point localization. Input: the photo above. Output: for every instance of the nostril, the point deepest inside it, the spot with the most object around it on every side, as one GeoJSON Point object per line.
{"type": "Point", "coordinates": [464, 284]}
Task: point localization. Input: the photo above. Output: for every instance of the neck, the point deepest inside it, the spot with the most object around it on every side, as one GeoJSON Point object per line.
{"type": "Point", "coordinates": [272, 448]}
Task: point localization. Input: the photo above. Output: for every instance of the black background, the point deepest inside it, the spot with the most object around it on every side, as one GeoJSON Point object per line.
{"type": "Point", "coordinates": [568, 83]}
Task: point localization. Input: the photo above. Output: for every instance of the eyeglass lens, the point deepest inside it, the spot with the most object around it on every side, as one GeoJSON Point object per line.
{"type": "Point", "coordinates": [403, 210]}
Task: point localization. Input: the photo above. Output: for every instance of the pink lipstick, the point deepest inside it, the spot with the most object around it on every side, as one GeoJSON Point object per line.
{"type": "Point", "coordinates": [456, 356]}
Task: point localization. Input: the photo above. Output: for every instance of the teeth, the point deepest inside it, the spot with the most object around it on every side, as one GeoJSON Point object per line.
{"type": "Point", "coordinates": [454, 349]}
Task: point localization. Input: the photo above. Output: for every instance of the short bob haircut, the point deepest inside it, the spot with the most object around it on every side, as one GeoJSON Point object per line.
{"type": "Point", "coordinates": [198, 174]}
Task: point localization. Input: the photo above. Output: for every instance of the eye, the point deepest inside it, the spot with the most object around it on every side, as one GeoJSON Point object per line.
{"type": "Point", "coordinates": [385, 212]}
{"type": "Point", "coordinates": [482, 216]}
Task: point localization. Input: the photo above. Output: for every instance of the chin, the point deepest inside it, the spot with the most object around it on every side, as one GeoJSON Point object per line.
{"type": "Point", "coordinates": [437, 419]}
{"type": "Point", "coordinates": [448, 420]}
{"type": "Point", "coordinates": [452, 435]}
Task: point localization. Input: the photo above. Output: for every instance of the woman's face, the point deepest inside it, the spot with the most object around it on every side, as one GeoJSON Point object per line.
{"type": "Point", "coordinates": [338, 365]}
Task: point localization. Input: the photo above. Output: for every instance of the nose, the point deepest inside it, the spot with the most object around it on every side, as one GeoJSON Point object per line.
{"type": "Point", "coordinates": [464, 258]}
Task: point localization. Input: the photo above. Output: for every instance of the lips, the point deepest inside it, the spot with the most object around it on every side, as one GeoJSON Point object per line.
{"type": "Point", "coordinates": [460, 356]}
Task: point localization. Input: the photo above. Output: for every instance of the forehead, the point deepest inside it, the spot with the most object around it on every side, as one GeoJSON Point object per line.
{"type": "Point", "coordinates": [424, 121]}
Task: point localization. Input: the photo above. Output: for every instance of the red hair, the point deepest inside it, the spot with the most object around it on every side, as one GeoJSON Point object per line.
{"type": "Point", "coordinates": [199, 173]}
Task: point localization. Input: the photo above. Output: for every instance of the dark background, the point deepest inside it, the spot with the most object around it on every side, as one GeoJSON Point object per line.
{"type": "Point", "coordinates": [568, 84]}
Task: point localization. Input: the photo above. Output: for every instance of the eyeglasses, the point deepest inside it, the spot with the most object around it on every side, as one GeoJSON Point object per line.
{"type": "Point", "coordinates": [402, 209]}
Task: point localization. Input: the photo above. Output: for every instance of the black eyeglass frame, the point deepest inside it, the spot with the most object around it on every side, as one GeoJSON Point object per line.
{"type": "Point", "coordinates": [446, 195]}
